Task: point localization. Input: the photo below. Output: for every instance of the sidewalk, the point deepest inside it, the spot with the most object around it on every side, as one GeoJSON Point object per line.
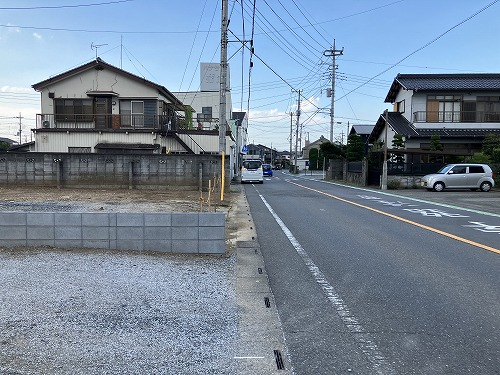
{"type": "Point", "coordinates": [261, 348]}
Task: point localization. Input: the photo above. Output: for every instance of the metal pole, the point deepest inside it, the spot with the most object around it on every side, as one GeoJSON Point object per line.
{"type": "Point", "coordinates": [384, 166]}
{"type": "Point", "coordinates": [223, 77]}
{"type": "Point", "coordinates": [332, 104]}
{"type": "Point", "coordinates": [295, 169]}
{"type": "Point", "coordinates": [20, 129]}
{"type": "Point", "coordinates": [291, 135]}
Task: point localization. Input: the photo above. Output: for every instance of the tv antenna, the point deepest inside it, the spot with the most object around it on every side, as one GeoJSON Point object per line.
{"type": "Point", "coordinates": [96, 47]}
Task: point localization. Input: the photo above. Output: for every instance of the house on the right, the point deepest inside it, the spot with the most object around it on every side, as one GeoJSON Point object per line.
{"type": "Point", "coordinates": [460, 109]}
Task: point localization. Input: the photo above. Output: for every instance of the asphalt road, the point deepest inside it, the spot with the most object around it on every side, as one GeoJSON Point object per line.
{"type": "Point", "coordinates": [405, 282]}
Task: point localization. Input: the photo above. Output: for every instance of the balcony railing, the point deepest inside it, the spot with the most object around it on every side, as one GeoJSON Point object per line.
{"type": "Point", "coordinates": [98, 121]}
{"type": "Point", "coordinates": [456, 116]}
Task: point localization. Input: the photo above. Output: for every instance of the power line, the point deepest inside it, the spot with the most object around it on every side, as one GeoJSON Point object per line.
{"type": "Point", "coordinates": [423, 47]}
{"type": "Point", "coordinates": [66, 6]}
{"type": "Point", "coordinates": [192, 45]}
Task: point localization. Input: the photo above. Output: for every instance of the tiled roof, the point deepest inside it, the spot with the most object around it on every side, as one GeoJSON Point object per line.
{"type": "Point", "coordinates": [361, 129]}
{"type": "Point", "coordinates": [457, 132]}
{"type": "Point", "coordinates": [401, 125]}
{"type": "Point", "coordinates": [397, 122]}
{"type": "Point", "coordinates": [443, 82]}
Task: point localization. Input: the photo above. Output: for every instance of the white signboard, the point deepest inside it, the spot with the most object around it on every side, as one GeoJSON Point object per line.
{"type": "Point", "coordinates": [209, 77]}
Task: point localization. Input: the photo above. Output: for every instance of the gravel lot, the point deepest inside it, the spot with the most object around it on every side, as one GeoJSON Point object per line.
{"type": "Point", "coordinates": [77, 311]}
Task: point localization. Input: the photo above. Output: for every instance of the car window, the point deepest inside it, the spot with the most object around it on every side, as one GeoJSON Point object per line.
{"type": "Point", "coordinates": [459, 169]}
{"type": "Point", "coordinates": [251, 164]}
{"type": "Point", "coordinates": [445, 169]}
{"type": "Point", "coordinates": [476, 169]}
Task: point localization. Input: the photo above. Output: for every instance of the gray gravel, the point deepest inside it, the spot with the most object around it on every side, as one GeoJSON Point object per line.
{"type": "Point", "coordinates": [92, 312]}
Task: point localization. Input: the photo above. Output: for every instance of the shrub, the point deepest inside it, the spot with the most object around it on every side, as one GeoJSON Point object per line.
{"type": "Point", "coordinates": [393, 184]}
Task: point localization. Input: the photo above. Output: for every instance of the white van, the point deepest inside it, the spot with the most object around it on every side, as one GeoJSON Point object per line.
{"type": "Point", "coordinates": [251, 171]}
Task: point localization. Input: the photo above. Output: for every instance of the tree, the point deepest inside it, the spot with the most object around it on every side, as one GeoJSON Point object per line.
{"type": "Point", "coordinates": [313, 158]}
{"type": "Point", "coordinates": [355, 148]}
{"type": "Point", "coordinates": [331, 151]}
{"type": "Point", "coordinates": [4, 146]}
{"type": "Point", "coordinates": [491, 147]}
{"type": "Point", "coordinates": [436, 146]}
{"type": "Point", "coordinates": [436, 143]}
{"type": "Point", "coordinates": [398, 143]}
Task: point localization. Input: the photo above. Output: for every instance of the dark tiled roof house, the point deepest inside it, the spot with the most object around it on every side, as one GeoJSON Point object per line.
{"type": "Point", "coordinates": [459, 108]}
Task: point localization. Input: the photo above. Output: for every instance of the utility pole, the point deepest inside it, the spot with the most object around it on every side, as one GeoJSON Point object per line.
{"type": "Point", "coordinates": [333, 53]}
{"type": "Point", "coordinates": [20, 127]}
{"type": "Point", "coordinates": [291, 135]}
{"type": "Point", "coordinates": [384, 166]}
{"type": "Point", "coordinates": [223, 78]}
{"type": "Point", "coordinates": [295, 170]}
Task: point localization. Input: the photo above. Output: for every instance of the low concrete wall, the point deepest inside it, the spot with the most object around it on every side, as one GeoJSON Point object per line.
{"type": "Point", "coordinates": [195, 233]}
{"type": "Point", "coordinates": [120, 171]}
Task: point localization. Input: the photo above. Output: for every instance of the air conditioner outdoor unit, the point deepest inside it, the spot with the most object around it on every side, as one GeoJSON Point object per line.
{"type": "Point", "coordinates": [46, 124]}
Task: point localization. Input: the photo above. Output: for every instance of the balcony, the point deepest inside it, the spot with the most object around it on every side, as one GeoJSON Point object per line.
{"type": "Point", "coordinates": [455, 116]}
{"type": "Point", "coordinates": [98, 121]}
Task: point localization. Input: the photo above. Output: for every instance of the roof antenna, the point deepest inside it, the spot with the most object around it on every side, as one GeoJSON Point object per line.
{"type": "Point", "coordinates": [96, 46]}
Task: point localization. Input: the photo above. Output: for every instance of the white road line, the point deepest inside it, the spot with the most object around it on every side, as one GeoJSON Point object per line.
{"type": "Point", "coordinates": [380, 364]}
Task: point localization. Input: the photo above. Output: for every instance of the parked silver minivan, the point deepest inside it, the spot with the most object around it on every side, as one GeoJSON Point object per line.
{"type": "Point", "coordinates": [460, 176]}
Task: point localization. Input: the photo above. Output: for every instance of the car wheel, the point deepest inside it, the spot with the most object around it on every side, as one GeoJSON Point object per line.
{"type": "Point", "coordinates": [438, 186]}
{"type": "Point", "coordinates": [485, 186]}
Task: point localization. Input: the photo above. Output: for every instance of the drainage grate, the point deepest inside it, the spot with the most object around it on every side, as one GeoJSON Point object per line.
{"type": "Point", "coordinates": [267, 302]}
{"type": "Point", "coordinates": [259, 270]}
{"type": "Point", "coordinates": [279, 360]}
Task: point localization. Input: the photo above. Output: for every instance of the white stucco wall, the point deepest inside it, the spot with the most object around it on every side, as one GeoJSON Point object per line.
{"type": "Point", "coordinates": [199, 99]}
{"type": "Point", "coordinates": [407, 96]}
{"type": "Point", "coordinates": [79, 85]}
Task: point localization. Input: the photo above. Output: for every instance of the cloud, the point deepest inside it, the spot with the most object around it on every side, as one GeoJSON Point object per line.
{"type": "Point", "coordinates": [15, 89]}
{"type": "Point", "coordinates": [13, 29]}
{"type": "Point", "coordinates": [37, 36]}
{"type": "Point", "coordinates": [309, 104]}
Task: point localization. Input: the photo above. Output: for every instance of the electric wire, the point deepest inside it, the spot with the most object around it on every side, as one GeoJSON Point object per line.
{"type": "Point", "coordinates": [66, 6]}
{"type": "Point", "coordinates": [297, 36]}
{"type": "Point", "coordinates": [311, 24]}
{"type": "Point", "coordinates": [192, 45]}
{"type": "Point", "coordinates": [284, 43]}
{"type": "Point", "coordinates": [423, 47]}
{"type": "Point", "coordinates": [300, 26]}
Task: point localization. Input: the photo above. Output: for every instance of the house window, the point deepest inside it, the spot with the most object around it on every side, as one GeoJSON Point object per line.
{"type": "Point", "coordinates": [73, 110]}
{"type": "Point", "coordinates": [400, 106]}
{"type": "Point", "coordinates": [132, 113]}
{"type": "Point", "coordinates": [488, 108]}
{"type": "Point", "coordinates": [444, 108]}
{"type": "Point", "coordinates": [205, 115]}
{"type": "Point", "coordinates": [79, 150]}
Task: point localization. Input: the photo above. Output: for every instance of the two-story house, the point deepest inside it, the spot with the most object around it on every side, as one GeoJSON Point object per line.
{"type": "Point", "coordinates": [100, 108]}
{"type": "Point", "coordinates": [458, 108]}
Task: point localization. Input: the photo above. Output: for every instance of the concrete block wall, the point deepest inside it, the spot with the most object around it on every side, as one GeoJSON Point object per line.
{"type": "Point", "coordinates": [190, 232]}
{"type": "Point", "coordinates": [122, 171]}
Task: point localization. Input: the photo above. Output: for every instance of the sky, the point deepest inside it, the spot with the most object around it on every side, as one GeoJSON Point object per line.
{"type": "Point", "coordinates": [165, 42]}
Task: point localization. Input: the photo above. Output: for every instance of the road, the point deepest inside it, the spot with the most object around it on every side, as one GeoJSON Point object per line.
{"type": "Point", "coordinates": [373, 283]}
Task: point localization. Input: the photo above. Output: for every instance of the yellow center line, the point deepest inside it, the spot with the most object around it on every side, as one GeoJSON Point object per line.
{"type": "Point", "coordinates": [446, 234]}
